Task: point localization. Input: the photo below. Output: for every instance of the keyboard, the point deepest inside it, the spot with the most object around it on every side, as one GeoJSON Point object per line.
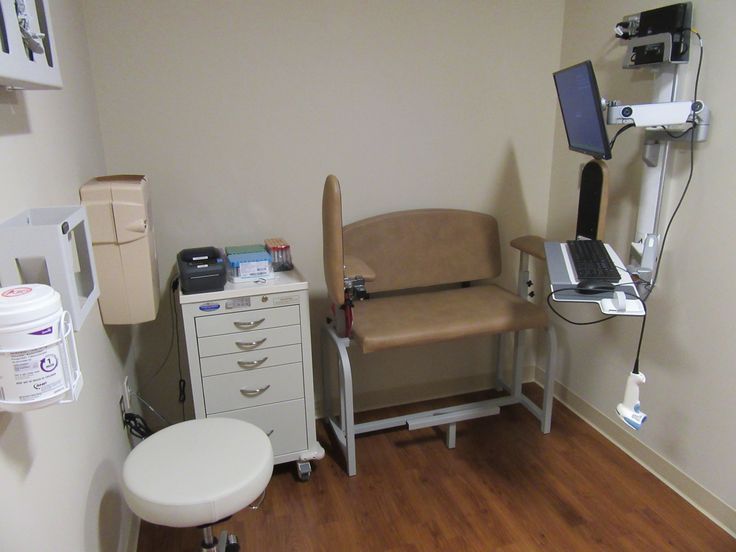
{"type": "Point", "coordinates": [591, 261]}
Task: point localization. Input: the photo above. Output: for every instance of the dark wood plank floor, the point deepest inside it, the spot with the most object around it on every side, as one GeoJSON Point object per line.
{"type": "Point", "coordinates": [506, 488]}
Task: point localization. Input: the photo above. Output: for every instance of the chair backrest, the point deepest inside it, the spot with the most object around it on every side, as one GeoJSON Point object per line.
{"type": "Point", "coordinates": [332, 246]}
{"type": "Point", "coordinates": [425, 247]}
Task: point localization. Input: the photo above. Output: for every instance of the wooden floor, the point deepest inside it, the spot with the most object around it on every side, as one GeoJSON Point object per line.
{"type": "Point", "coordinates": [506, 488]}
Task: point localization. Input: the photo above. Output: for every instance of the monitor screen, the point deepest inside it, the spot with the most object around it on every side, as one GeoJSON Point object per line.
{"type": "Point", "coordinates": [580, 102]}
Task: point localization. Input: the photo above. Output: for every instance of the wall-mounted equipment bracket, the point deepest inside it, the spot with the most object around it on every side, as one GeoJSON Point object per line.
{"type": "Point", "coordinates": [28, 57]}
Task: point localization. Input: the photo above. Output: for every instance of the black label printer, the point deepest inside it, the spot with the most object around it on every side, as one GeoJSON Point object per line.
{"type": "Point", "coordinates": [201, 269]}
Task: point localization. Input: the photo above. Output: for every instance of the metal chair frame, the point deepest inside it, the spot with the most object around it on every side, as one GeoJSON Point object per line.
{"type": "Point", "coordinates": [345, 429]}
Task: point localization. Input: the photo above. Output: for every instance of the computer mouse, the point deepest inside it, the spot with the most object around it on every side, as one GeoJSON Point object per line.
{"type": "Point", "coordinates": [590, 287]}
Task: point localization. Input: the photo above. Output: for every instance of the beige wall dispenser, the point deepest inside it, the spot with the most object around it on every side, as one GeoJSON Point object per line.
{"type": "Point", "coordinates": [119, 213]}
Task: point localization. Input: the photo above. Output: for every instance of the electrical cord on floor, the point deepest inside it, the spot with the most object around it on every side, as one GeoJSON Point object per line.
{"type": "Point", "coordinates": [136, 425]}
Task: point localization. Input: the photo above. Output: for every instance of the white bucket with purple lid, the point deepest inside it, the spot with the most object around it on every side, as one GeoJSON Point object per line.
{"type": "Point", "coordinates": [38, 361]}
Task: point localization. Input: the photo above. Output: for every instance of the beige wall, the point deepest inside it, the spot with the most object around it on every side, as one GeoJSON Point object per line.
{"type": "Point", "coordinates": [237, 111]}
{"type": "Point", "coordinates": [688, 352]}
{"type": "Point", "coordinates": [59, 465]}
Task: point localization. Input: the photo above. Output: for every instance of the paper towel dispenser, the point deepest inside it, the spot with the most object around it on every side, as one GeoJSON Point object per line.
{"type": "Point", "coordinates": [119, 213]}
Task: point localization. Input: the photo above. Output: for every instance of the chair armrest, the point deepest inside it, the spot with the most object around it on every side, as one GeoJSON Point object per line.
{"type": "Point", "coordinates": [532, 245]}
{"type": "Point", "coordinates": [357, 267]}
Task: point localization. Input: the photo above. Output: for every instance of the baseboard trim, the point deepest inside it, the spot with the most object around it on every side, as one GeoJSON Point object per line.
{"type": "Point", "coordinates": [701, 498]}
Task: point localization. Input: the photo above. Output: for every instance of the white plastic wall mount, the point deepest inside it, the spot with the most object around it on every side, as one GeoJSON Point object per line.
{"type": "Point", "coordinates": [28, 57]}
{"type": "Point", "coordinates": [126, 394]}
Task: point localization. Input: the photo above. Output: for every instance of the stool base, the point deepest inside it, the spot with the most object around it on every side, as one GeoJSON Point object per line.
{"type": "Point", "coordinates": [226, 543]}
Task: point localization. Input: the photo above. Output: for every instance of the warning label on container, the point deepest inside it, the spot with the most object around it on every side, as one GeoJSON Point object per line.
{"type": "Point", "coordinates": [36, 374]}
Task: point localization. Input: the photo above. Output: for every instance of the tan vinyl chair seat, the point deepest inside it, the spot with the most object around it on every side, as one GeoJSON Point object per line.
{"type": "Point", "coordinates": [411, 278]}
{"type": "Point", "coordinates": [429, 317]}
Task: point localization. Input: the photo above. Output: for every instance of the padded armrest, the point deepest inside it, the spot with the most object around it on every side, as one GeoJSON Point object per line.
{"type": "Point", "coordinates": [357, 267]}
{"type": "Point", "coordinates": [532, 245]}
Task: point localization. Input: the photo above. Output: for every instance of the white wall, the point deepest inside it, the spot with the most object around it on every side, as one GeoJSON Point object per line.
{"type": "Point", "coordinates": [688, 351]}
{"type": "Point", "coordinates": [237, 111]}
{"type": "Point", "coordinates": [59, 466]}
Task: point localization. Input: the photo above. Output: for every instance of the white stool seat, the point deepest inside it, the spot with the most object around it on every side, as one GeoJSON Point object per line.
{"type": "Point", "coordinates": [197, 472]}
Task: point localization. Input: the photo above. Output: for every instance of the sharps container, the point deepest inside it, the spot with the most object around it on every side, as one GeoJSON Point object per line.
{"type": "Point", "coordinates": [36, 368]}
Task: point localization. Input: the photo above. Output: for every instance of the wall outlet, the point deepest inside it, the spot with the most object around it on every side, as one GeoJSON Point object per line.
{"type": "Point", "coordinates": [126, 394]}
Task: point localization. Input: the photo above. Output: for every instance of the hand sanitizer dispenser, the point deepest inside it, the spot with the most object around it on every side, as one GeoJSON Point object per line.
{"type": "Point", "coordinates": [119, 213]}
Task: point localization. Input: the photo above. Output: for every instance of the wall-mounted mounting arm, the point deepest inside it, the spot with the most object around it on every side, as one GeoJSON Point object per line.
{"type": "Point", "coordinates": [656, 114]}
{"type": "Point", "coordinates": [665, 122]}
{"type": "Point", "coordinates": [662, 115]}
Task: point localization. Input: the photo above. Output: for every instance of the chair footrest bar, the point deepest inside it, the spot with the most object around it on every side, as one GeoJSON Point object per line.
{"type": "Point", "coordinates": [453, 417]}
{"type": "Point", "coordinates": [409, 419]}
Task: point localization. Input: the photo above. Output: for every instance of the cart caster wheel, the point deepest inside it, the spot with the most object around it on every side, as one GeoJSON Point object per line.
{"type": "Point", "coordinates": [303, 470]}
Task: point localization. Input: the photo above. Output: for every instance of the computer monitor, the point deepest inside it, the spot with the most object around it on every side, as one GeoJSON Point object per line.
{"type": "Point", "coordinates": [582, 113]}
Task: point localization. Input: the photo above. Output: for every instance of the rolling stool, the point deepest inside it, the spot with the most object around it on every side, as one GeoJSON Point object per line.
{"type": "Point", "coordinates": [198, 472]}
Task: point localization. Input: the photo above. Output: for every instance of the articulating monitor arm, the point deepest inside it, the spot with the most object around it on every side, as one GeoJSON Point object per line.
{"type": "Point", "coordinates": [662, 115]}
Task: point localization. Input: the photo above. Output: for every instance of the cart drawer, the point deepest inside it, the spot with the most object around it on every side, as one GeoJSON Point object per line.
{"type": "Point", "coordinates": [247, 321]}
{"type": "Point", "coordinates": [249, 341]}
{"type": "Point", "coordinates": [253, 360]}
{"type": "Point", "coordinates": [242, 390]}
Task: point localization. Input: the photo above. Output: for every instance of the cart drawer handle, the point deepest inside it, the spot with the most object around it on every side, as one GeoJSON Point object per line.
{"type": "Point", "coordinates": [249, 345]}
{"type": "Point", "coordinates": [250, 364]}
{"type": "Point", "coordinates": [254, 392]}
{"type": "Point", "coordinates": [249, 325]}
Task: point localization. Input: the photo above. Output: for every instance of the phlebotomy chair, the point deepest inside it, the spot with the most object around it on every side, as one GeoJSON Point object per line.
{"type": "Point", "coordinates": [178, 479]}
{"type": "Point", "coordinates": [436, 264]}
